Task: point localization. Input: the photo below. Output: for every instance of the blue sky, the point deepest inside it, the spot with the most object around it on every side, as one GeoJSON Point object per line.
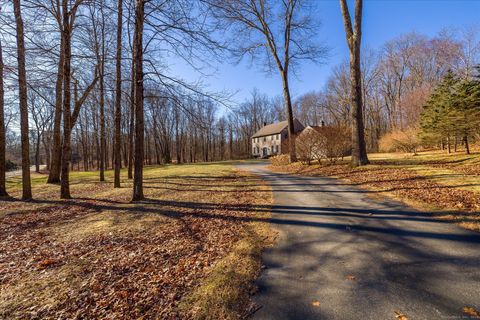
{"type": "Point", "coordinates": [383, 20]}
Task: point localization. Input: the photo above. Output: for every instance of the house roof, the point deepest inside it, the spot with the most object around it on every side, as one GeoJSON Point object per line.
{"type": "Point", "coordinates": [276, 128]}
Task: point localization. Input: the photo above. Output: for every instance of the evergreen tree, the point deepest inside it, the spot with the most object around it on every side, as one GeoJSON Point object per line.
{"type": "Point", "coordinates": [452, 110]}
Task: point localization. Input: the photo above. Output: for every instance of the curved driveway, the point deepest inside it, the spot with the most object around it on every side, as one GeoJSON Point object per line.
{"type": "Point", "coordinates": [344, 255]}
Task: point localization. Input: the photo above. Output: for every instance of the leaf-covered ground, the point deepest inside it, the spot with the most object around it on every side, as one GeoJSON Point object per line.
{"type": "Point", "coordinates": [448, 185]}
{"type": "Point", "coordinates": [100, 257]}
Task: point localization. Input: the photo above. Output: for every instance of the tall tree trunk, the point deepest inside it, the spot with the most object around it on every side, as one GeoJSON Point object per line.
{"type": "Point", "coordinates": [102, 122]}
{"type": "Point", "coordinates": [289, 113]}
{"type": "Point", "coordinates": [67, 128]}
{"type": "Point", "coordinates": [54, 174]}
{"type": "Point", "coordinates": [139, 117]}
{"type": "Point", "coordinates": [131, 131]}
{"type": "Point", "coordinates": [118, 100]}
{"type": "Point", "coordinates": [354, 36]}
{"type": "Point", "coordinates": [3, 189]}
{"type": "Point", "coordinates": [22, 88]}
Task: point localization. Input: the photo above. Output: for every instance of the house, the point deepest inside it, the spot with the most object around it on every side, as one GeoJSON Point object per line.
{"type": "Point", "coordinates": [272, 139]}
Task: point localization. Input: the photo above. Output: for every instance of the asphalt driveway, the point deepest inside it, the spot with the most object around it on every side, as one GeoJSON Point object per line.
{"type": "Point", "coordinates": [344, 255]}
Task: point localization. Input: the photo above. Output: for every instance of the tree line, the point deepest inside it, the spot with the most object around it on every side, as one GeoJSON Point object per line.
{"type": "Point", "coordinates": [86, 83]}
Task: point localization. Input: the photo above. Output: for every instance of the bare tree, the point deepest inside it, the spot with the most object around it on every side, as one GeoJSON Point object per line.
{"type": "Point", "coordinates": [22, 88]}
{"type": "Point", "coordinates": [118, 99]}
{"type": "Point", "coordinates": [98, 31]}
{"type": "Point", "coordinates": [138, 97]}
{"type": "Point", "coordinates": [3, 190]}
{"type": "Point", "coordinates": [280, 31]}
{"type": "Point", "coordinates": [354, 37]}
{"type": "Point", "coordinates": [55, 166]}
{"type": "Point", "coordinates": [41, 114]}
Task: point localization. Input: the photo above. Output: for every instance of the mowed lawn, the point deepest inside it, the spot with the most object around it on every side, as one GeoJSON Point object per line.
{"type": "Point", "coordinates": [447, 185]}
{"type": "Point", "coordinates": [191, 250]}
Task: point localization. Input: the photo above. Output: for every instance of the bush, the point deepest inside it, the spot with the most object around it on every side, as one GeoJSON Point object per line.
{"type": "Point", "coordinates": [338, 142]}
{"type": "Point", "coordinates": [309, 145]}
{"type": "Point", "coordinates": [9, 165]}
{"type": "Point", "coordinates": [280, 160]}
{"type": "Point", "coordinates": [400, 141]}
{"type": "Point", "coordinates": [328, 142]}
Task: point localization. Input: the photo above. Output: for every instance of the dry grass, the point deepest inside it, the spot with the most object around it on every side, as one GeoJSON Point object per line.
{"type": "Point", "coordinates": [100, 256]}
{"type": "Point", "coordinates": [447, 185]}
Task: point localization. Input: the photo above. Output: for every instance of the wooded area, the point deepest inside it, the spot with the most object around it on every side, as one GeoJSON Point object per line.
{"type": "Point", "coordinates": [87, 86]}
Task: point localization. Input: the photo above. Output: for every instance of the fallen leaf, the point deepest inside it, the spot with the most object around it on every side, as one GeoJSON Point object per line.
{"type": "Point", "coordinates": [400, 316]}
{"type": "Point", "coordinates": [471, 311]}
{"type": "Point", "coordinates": [350, 277]}
{"type": "Point", "coordinates": [316, 303]}
{"type": "Point", "coordinates": [46, 263]}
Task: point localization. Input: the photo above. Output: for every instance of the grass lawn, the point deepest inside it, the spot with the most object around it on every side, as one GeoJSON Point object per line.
{"type": "Point", "coordinates": [191, 250]}
{"type": "Point", "coordinates": [447, 185]}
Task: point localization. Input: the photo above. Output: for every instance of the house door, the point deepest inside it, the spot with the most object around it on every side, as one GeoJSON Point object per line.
{"type": "Point", "coordinates": [264, 152]}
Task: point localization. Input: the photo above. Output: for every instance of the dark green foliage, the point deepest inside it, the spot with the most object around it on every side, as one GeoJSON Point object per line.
{"type": "Point", "coordinates": [452, 111]}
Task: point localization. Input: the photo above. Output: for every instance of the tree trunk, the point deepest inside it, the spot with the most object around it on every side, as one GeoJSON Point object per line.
{"type": "Point", "coordinates": [67, 128]}
{"type": "Point", "coordinates": [22, 88]}
{"type": "Point", "coordinates": [102, 125]}
{"type": "Point", "coordinates": [138, 96]}
{"type": "Point", "coordinates": [37, 154]}
{"type": "Point", "coordinates": [354, 35]}
{"type": "Point", "coordinates": [230, 143]}
{"type": "Point", "coordinates": [103, 142]}
{"type": "Point", "coordinates": [467, 146]}
{"type": "Point", "coordinates": [131, 131]}
{"type": "Point", "coordinates": [54, 174]}
{"type": "Point", "coordinates": [118, 100]}
{"type": "Point", "coordinates": [289, 113]}
{"type": "Point", "coordinates": [3, 189]}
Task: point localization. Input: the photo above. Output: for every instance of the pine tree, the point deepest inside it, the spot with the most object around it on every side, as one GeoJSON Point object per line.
{"type": "Point", "coordinates": [452, 110]}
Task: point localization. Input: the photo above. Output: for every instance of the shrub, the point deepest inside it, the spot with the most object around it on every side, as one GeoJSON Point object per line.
{"type": "Point", "coordinates": [309, 145]}
{"type": "Point", "coordinates": [9, 165]}
{"type": "Point", "coordinates": [338, 142]}
{"type": "Point", "coordinates": [328, 142]}
{"type": "Point", "coordinates": [280, 160]}
{"type": "Point", "coordinates": [400, 141]}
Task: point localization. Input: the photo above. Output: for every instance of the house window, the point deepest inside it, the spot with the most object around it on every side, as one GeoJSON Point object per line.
{"type": "Point", "coordinates": [271, 138]}
{"type": "Point", "coordinates": [273, 150]}
{"type": "Point", "coordinates": [277, 148]}
{"type": "Point", "coordinates": [264, 139]}
{"type": "Point", "coordinates": [278, 136]}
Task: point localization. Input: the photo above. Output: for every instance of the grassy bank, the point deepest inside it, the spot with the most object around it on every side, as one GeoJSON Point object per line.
{"type": "Point", "coordinates": [446, 185]}
{"type": "Point", "coordinates": [100, 256]}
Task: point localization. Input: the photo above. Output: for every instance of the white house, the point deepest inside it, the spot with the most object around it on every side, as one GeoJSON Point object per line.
{"type": "Point", "coordinates": [272, 139]}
